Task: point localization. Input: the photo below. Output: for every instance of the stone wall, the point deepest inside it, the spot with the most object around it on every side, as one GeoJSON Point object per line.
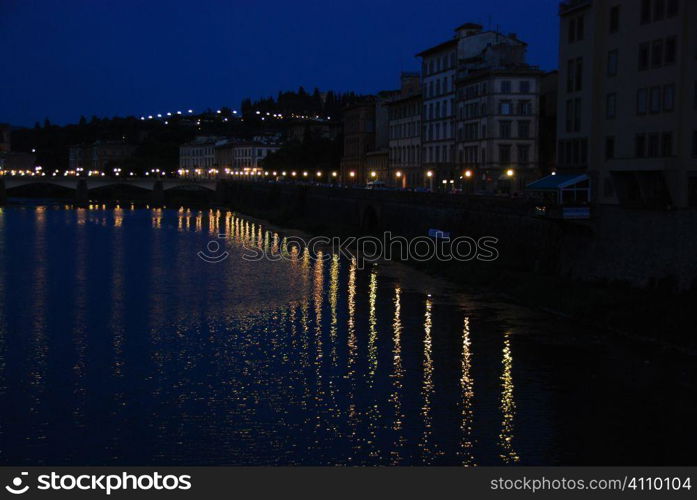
{"type": "Point", "coordinates": [639, 248]}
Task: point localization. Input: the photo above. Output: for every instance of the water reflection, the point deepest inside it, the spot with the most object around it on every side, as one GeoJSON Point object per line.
{"type": "Point", "coordinates": [508, 410]}
{"type": "Point", "coordinates": [165, 359]}
{"type": "Point", "coordinates": [467, 403]}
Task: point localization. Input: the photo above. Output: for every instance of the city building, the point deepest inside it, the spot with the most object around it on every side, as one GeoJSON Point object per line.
{"type": "Point", "coordinates": [224, 153]}
{"type": "Point", "coordinates": [249, 155]}
{"type": "Point", "coordinates": [497, 100]}
{"type": "Point", "coordinates": [102, 156]}
{"type": "Point", "coordinates": [405, 134]}
{"type": "Point", "coordinates": [359, 140]}
{"type": "Point", "coordinates": [199, 153]}
{"type": "Point", "coordinates": [627, 100]}
{"type": "Point", "coordinates": [438, 70]}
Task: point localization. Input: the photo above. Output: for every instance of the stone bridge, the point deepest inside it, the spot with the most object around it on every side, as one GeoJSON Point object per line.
{"type": "Point", "coordinates": [82, 186]}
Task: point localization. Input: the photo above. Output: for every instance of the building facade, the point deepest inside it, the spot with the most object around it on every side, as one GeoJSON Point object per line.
{"type": "Point", "coordinates": [359, 140]}
{"type": "Point", "coordinates": [497, 96]}
{"type": "Point", "coordinates": [438, 70]}
{"type": "Point", "coordinates": [404, 111]}
{"type": "Point", "coordinates": [198, 154]}
{"type": "Point", "coordinates": [248, 156]}
{"type": "Point", "coordinates": [100, 156]}
{"type": "Point", "coordinates": [627, 99]}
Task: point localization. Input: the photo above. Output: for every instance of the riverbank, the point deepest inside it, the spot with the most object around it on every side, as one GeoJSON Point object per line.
{"type": "Point", "coordinates": [659, 315]}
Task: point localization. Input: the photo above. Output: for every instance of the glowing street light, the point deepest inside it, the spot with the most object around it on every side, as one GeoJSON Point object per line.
{"type": "Point", "coordinates": [510, 172]}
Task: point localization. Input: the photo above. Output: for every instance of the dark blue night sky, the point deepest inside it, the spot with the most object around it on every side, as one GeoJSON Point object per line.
{"type": "Point", "coordinates": [66, 58]}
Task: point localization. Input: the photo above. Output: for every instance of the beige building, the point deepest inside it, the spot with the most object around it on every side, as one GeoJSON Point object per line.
{"type": "Point", "coordinates": [627, 99]}
{"type": "Point", "coordinates": [249, 155]}
{"type": "Point", "coordinates": [404, 110]}
{"type": "Point", "coordinates": [438, 69]}
{"type": "Point", "coordinates": [199, 153]}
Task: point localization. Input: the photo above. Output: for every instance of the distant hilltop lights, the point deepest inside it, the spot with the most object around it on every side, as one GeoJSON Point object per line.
{"type": "Point", "coordinates": [179, 113]}
{"type": "Point", "coordinates": [235, 113]}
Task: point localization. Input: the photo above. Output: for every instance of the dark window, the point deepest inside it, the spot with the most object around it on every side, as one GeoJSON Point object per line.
{"type": "Point", "coordinates": [640, 145]}
{"type": "Point", "coordinates": [659, 9]}
{"type": "Point", "coordinates": [506, 87]}
{"type": "Point", "coordinates": [671, 50]}
{"type": "Point", "coordinates": [505, 129]}
{"type": "Point", "coordinates": [609, 147]}
{"type": "Point", "coordinates": [645, 11]}
{"type": "Point", "coordinates": [673, 8]}
{"type": "Point", "coordinates": [577, 115]}
{"type": "Point", "coordinates": [611, 106]}
{"type": "Point", "coordinates": [668, 97]}
{"type": "Point", "coordinates": [612, 63]}
{"type": "Point", "coordinates": [525, 87]}
{"type": "Point", "coordinates": [656, 53]}
{"type": "Point", "coordinates": [525, 108]}
{"type": "Point", "coordinates": [667, 144]}
{"type": "Point", "coordinates": [653, 145]}
{"type": "Point", "coordinates": [642, 98]}
{"type": "Point", "coordinates": [524, 129]}
{"type": "Point", "coordinates": [579, 73]}
{"type": "Point", "coordinates": [505, 154]}
{"type": "Point", "coordinates": [570, 115]}
{"type": "Point", "coordinates": [644, 56]}
{"type": "Point", "coordinates": [570, 71]}
{"type": "Point", "coordinates": [579, 28]}
{"type": "Point", "coordinates": [523, 154]}
{"type": "Point", "coordinates": [614, 19]}
{"type": "Point", "coordinates": [572, 30]}
{"type": "Point", "coordinates": [694, 143]}
{"type": "Point", "coordinates": [655, 100]}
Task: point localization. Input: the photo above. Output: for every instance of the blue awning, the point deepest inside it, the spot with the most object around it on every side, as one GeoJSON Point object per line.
{"type": "Point", "coordinates": [556, 182]}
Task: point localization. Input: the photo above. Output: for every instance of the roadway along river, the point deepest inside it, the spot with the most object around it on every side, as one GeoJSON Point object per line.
{"type": "Point", "coordinates": [118, 345]}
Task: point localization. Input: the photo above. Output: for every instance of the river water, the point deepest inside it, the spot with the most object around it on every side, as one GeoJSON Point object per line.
{"type": "Point", "coordinates": [119, 345]}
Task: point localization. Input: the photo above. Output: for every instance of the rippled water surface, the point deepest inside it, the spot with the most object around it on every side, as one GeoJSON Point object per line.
{"type": "Point", "coordinates": [118, 345]}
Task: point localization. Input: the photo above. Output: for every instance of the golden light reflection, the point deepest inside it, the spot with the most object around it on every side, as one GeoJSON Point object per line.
{"type": "Point", "coordinates": [352, 357]}
{"type": "Point", "coordinates": [427, 388]}
{"type": "Point", "coordinates": [508, 410]}
{"type": "Point", "coordinates": [372, 326]}
{"type": "Point", "coordinates": [397, 380]}
{"type": "Point", "coordinates": [373, 410]}
{"type": "Point", "coordinates": [467, 392]}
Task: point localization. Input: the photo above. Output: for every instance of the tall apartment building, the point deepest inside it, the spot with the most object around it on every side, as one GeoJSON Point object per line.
{"type": "Point", "coordinates": [497, 112]}
{"type": "Point", "coordinates": [627, 99]}
{"type": "Point", "coordinates": [438, 69]}
{"type": "Point", "coordinates": [404, 112]}
{"type": "Point", "coordinates": [480, 105]}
